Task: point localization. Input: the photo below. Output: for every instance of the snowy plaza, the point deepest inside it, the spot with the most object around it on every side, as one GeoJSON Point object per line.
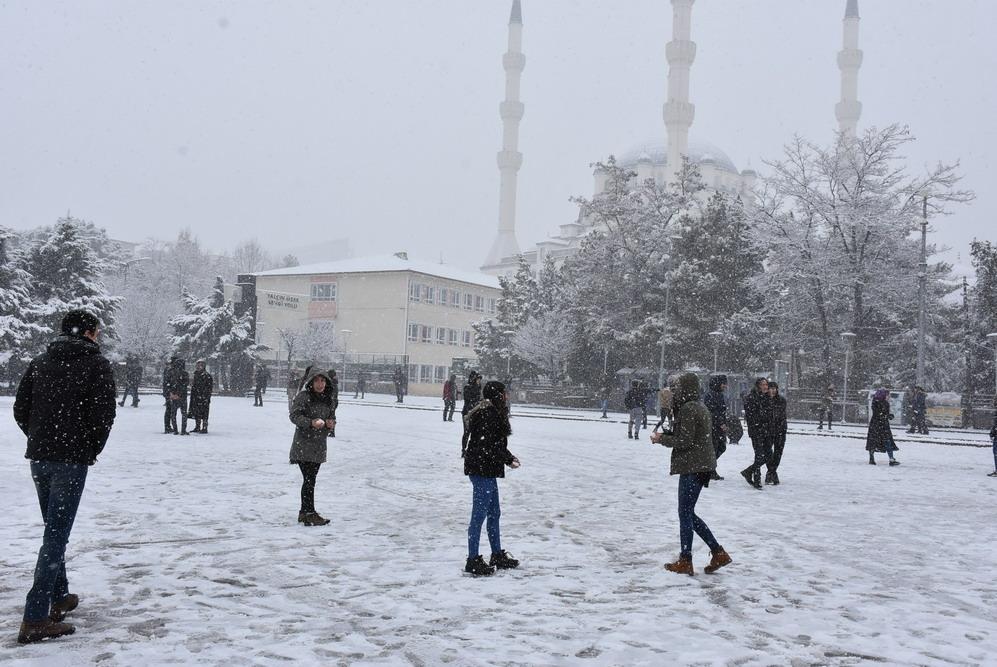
{"type": "Point", "coordinates": [186, 549]}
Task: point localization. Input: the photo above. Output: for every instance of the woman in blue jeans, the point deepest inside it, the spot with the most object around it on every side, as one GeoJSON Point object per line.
{"type": "Point", "coordinates": [486, 453]}
{"type": "Point", "coordinates": [694, 460]}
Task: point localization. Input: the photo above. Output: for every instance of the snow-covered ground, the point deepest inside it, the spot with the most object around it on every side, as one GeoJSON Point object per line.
{"type": "Point", "coordinates": [187, 551]}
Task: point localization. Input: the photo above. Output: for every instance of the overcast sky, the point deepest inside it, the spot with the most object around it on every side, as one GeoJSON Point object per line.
{"type": "Point", "coordinates": [377, 120]}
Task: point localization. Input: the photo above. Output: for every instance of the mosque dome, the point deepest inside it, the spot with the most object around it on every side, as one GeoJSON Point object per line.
{"type": "Point", "coordinates": [700, 152]}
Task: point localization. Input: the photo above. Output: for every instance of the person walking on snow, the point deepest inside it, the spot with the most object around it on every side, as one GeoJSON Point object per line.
{"type": "Point", "coordinates": [777, 434]}
{"type": "Point", "coordinates": [758, 416]}
{"type": "Point", "coordinates": [472, 396]}
{"type": "Point", "coordinates": [633, 401]}
{"type": "Point", "coordinates": [262, 378]}
{"type": "Point", "coordinates": [201, 387]}
{"type": "Point", "coordinates": [919, 412]}
{"type": "Point", "coordinates": [880, 436]}
{"type": "Point", "coordinates": [715, 401]}
{"type": "Point", "coordinates": [449, 398]}
{"type": "Point", "coordinates": [175, 386]}
{"type": "Point", "coordinates": [294, 381]}
{"type": "Point", "coordinates": [826, 408]}
{"type": "Point", "coordinates": [133, 377]}
{"type": "Point", "coordinates": [361, 387]}
{"type": "Point", "coordinates": [65, 406]}
{"type": "Point", "coordinates": [486, 454]}
{"type": "Point", "coordinates": [693, 460]}
{"type": "Point", "coordinates": [664, 406]}
{"type": "Point", "coordinates": [314, 417]}
{"type": "Point", "coordinates": [993, 439]}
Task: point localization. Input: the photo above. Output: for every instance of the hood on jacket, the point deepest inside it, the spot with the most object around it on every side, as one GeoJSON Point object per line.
{"type": "Point", "coordinates": [717, 382]}
{"type": "Point", "coordinates": [306, 384]}
{"type": "Point", "coordinates": [72, 347]}
{"type": "Point", "coordinates": [686, 389]}
{"type": "Point", "coordinates": [178, 363]}
{"type": "Point", "coordinates": [881, 394]}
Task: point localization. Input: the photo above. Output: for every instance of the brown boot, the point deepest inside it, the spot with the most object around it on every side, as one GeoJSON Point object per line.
{"type": "Point", "coordinates": [36, 631]}
{"type": "Point", "coordinates": [315, 519]}
{"type": "Point", "coordinates": [63, 607]}
{"type": "Point", "coordinates": [681, 566]}
{"type": "Point", "coordinates": [720, 558]}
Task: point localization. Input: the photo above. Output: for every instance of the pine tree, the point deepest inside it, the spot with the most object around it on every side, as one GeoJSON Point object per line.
{"type": "Point", "coordinates": [209, 329]}
{"type": "Point", "coordinates": [982, 317]}
{"type": "Point", "coordinates": [16, 314]}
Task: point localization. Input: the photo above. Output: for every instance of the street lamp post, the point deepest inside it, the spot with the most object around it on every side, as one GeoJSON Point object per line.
{"type": "Point", "coordinates": [848, 337]}
{"type": "Point", "coordinates": [664, 325]}
{"type": "Point", "coordinates": [992, 337]}
{"type": "Point", "coordinates": [508, 358]}
{"type": "Point", "coordinates": [346, 347]}
{"type": "Point", "coordinates": [715, 337]}
{"type": "Point", "coordinates": [921, 299]}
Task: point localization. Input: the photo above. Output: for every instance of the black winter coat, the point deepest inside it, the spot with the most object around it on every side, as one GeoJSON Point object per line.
{"type": "Point", "coordinates": [880, 437]}
{"type": "Point", "coordinates": [201, 388]}
{"type": "Point", "coordinates": [65, 403]}
{"type": "Point", "coordinates": [633, 399]}
{"type": "Point", "coordinates": [778, 423]}
{"type": "Point", "coordinates": [757, 414]}
{"type": "Point", "coordinates": [176, 381]}
{"type": "Point", "coordinates": [133, 374]}
{"type": "Point", "coordinates": [472, 396]}
{"type": "Point", "coordinates": [486, 453]}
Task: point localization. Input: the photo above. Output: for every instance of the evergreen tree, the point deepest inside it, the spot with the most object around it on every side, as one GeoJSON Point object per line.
{"type": "Point", "coordinates": [16, 314]}
{"type": "Point", "coordinates": [209, 329]}
{"type": "Point", "coordinates": [982, 318]}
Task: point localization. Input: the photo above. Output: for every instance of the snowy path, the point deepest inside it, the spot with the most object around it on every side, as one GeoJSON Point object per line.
{"type": "Point", "coordinates": [186, 551]}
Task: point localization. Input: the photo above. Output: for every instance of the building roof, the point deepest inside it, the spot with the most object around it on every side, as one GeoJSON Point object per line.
{"type": "Point", "coordinates": [656, 152]}
{"type": "Point", "coordinates": [852, 9]}
{"type": "Point", "coordinates": [387, 264]}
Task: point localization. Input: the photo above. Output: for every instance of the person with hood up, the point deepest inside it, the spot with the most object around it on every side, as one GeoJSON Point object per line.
{"type": "Point", "coordinates": [201, 387]}
{"type": "Point", "coordinates": [777, 433]}
{"type": "Point", "coordinates": [314, 416]}
{"type": "Point", "coordinates": [175, 385]}
{"type": "Point", "coordinates": [65, 406]}
{"type": "Point", "coordinates": [693, 460]}
{"type": "Point", "coordinates": [133, 377]}
{"type": "Point", "coordinates": [758, 417]}
{"type": "Point", "coordinates": [715, 401]}
{"type": "Point", "coordinates": [449, 398]}
{"type": "Point", "coordinates": [880, 436]}
{"type": "Point", "coordinates": [633, 401]}
{"type": "Point", "coordinates": [486, 454]}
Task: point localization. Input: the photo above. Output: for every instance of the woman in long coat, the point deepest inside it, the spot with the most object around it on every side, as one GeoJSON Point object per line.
{"type": "Point", "coordinates": [880, 437]}
{"type": "Point", "coordinates": [314, 415]}
{"type": "Point", "coordinates": [201, 387]}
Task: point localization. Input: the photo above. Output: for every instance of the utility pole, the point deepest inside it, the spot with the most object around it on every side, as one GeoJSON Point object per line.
{"type": "Point", "coordinates": [922, 300]}
{"type": "Point", "coordinates": [847, 337]}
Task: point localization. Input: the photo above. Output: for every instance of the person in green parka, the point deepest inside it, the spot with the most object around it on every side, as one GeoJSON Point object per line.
{"type": "Point", "coordinates": [313, 412]}
{"type": "Point", "coordinates": [694, 461]}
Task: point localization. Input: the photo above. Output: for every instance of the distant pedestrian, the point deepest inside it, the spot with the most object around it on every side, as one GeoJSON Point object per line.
{"type": "Point", "coordinates": [919, 411]}
{"type": "Point", "coordinates": [758, 417]}
{"type": "Point", "coordinates": [993, 439]}
{"type": "Point", "coordinates": [777, 433]}
{"type": "Point", "coordinates": [486, 454]}
{"type": "Point", "coordinates": [633, 401]}
{"type": "Point", "coordinates": [175, 387]}
{"type": "Point", "coordinates": [360, 391]}
{"type": "Point", "coordinates": [880, 436]}
{"type": "Point", "coordinates": [202, 386]}
{"type": "Point", "coordinates": [314, 417]}
{"type": "Point", "coordinates": [604, 394]}
{"type": "Point", "coordinates": [715, 401]}
{"type": "Point", "coordinates": [826, 408]}
{"type": "Point", "coordinates": [664, 407]}
{"type": "Point", "coordinates": [650, 402]}
{"type": "Point", "coordinates": [133, 378]}
{"type": "Point", "coordinates": [334, 382]}
{"type": "Point", "coordinates": [449, 398]}
{"type": "Point", "coordinates": [294, 382]}
{"type": "Point", "coordinates": [693, 460]}
{"type": "Point", "coordinates": [262, 379]}
{"type": "Point", "coordinates": [472, 396]}
{"type": "Point", "coordinates": [65, 406]}
{"type": "Point", "coordinates": [399, 381]}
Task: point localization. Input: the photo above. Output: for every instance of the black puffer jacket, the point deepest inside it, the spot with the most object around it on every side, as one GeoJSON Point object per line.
{"type": "Point", "coordinates": [757, 414]}
{"type": "Point", "coordinates": [778, 423]}
{"type": "Point", "coordinates": [486, 453]}
{"type": "Point", "coordinates": [65, 403]}
{"type": "Point", "coordinates": [177, 380]}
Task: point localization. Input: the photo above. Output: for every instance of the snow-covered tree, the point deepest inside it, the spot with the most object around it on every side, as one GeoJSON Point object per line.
{"type": "Point", "coordinates": [209, 329]}
{"type": "Point", "coordinates": [982, 319]}
{"type": "Point", "coordinates": [545, 341]}
{"type": "Point", "coordinates": [250, 257]}
{"type": "Point", "coordinates": [17, 326]}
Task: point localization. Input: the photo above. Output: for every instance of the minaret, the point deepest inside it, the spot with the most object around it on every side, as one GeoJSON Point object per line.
{"type": "Point", "coordinates": [509, 158]}
{"type": "Point", "coordinates": [678, 111]}
{"type": "Point", "coordinates": [849, 109]}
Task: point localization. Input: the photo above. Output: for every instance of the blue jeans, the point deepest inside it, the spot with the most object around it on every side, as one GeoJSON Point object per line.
{"type": "Point", "coordinates": [689, 488]}
{"type": "Point", "coordinates": [59, 487]}
{"type": "Point", "coordinates": [485, 505]}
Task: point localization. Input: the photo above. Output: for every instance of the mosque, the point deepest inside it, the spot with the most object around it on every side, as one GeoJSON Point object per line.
{"type": "Point", "coordinates": [658, 159]}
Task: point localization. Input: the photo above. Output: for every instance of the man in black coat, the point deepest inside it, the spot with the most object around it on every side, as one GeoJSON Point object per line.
{"type": "Point", "coordinates": [133, 377]}
{"type": "Point", "coordinates": [716, 402]}
{"type": "Point", "coordinates": [176, 382]}
{"type": "Point", "coordinates": [758, 416]}
{"type": "Point", "coordinates": [262, 378]}
{"type": "Point", "coordinates": [399, 381]}
{"type": "Point", "coordinates": [919, 411]}
{"type": "Point", "coordinates": [777, 433]}
{"type": "Point", "coordinates": [65, 405]}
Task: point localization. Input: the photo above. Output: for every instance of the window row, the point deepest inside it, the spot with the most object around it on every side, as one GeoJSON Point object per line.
{"type": "Point", "coordinates": [323, 292]}
{"type": "Point", "coordinates": [420, 293]}
{"type": "Point", "coordinates": [420, 333]}
{"type": "Point", "coordinates": [427, 374]}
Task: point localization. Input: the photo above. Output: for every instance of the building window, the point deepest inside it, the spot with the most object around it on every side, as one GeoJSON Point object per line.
{"type": "Point", "coordinates": [414, 292]}
{"type": "Point", "coordinates": [441, 374]}
{"type": "Point", "coordinates": [323, 291]}
{"type": "Point", "coordinates": [426, 334]}
{"type": "Point", "coordinates": [442, 294]}
{"type": "Point", "coordinates": [426, 374]}
{"type": "Point", "coordinates": [453, 337]}
{"type": "Point", "coordinates": [455, 298]}
{"type": "Point", "coordinates": [428, 294]}
{"type": "Point", "coordinates": [468, 301]}
{"type": "Point", "coordinates": [441, 336]}
{"type": "Point", "coordinates": [479, 304]}
{"type": "Point", "coordinates": [492, 306]}
{"type": "Point", "coordinates": [413, 373]}
{"type": "Point", "coordinates": [413, 333]}
{"type": "Point", "coordinates": [465, 339]}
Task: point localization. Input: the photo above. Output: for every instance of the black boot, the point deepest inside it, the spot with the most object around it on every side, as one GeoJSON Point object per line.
{"type": "Point", "coordinates": [775, 478]}
{"type": "Point", "coordinates": [204, 427]}
{"type": "Point", "coordinates": [503, 561]}
{"type": "Point", "coordinates": [749, 477]}
{"type": "Point", "coordinates": [478, 567]}
{"type": "Point", "coordinates": [872, 459]}
{"type": "Point", "coordinates": [768, 478]}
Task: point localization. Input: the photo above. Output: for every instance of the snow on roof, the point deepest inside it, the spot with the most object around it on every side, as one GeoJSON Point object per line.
{"type": "Point", "coordinates": [387, 264]}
